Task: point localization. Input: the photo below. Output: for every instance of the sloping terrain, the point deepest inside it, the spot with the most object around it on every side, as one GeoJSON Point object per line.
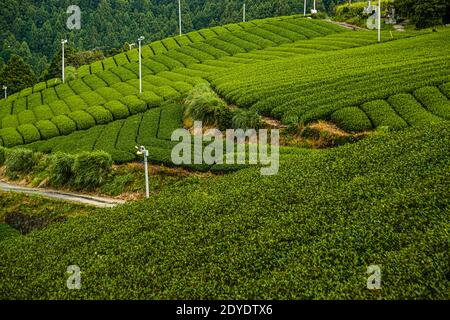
{"type": "Point", "coordinates": [309, 232]}
{"type": "Point", "coordinates": [370, 78]}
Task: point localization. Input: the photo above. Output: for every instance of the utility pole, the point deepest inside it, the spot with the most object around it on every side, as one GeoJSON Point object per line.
{"type": "Point", "coordinates": [6, 92]}
{"type": "Point", "coordinates": [145, 153]}
{"type": "Point", "coordinates": [179, 15]}
{"type": "Point", "coordinates": [140, 63]}
{"type": "Point", "coordinates": [63, 42]}
{"type": "Point", "coordinates": [243, 12]}
{"type": "Point", "coordinates": [379, 20]}
{"type": "Point", "coordinates": [304, 9]}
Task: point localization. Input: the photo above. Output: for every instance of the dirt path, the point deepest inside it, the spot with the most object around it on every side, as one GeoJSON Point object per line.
{"type": "Point", "coordinates": [64, 196]}
{"type": "Point", "coordinates": [346, 25]}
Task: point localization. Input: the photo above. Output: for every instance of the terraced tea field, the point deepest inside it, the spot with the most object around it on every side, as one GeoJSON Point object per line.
{"type": "Point", "coordinates": [397, 84]}
{"type": "Point", "coordinates": [105, 95]}
{"type": "Point", "coordinates": [308, 232]}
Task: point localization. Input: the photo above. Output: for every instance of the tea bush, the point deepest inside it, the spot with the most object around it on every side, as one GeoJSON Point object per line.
{"type": "Point", "coordinates": [91, 169]}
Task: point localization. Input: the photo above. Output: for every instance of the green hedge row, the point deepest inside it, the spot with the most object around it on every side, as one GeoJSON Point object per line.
{"type": "Point", "coordinates": [382, 115]}
{"type": "Point", "coordinates": [169, 62]}
{"type": "Point", "coordinates": [109, 93]}
{"type": "Point", "coordinates": [411, 110]}
{"type": "Point", "coordinates": [351, 119]}
{"type": "Point", "coordinates": [109, 77]}
{"type": "Point", "coordinates": [134, 104]}
{"type": "Point", "coordinates": [82, 119]}
{"type": "Point", "coordinates": [434, 101]}
{"type": "Point", "coordinates": [94, 82]}
{"type": "Point", "coordinates": [117, 109]}
{"type": "Point", "coordinates": [64, 124]}
{"type": "Point", "coordinates": [158, 47]}
{"type": "Point", "coordinates": [100, 114]}
{"type": "Point", "coordinates": [156, 67]}
{"type": "Point", "coordinates": [47, 129]}
{"type": "Point", "coordinates": [43, 112]}
{"type": "Point", "coordinates": [71, 103]}
{"type": "Point", "coordinates": [29, 133]}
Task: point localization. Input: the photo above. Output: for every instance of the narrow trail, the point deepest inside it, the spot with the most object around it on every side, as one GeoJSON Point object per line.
{"type": "Point", "coordinates": [346, 25]}
{"type": "Point", "coordinates": [99, 202]}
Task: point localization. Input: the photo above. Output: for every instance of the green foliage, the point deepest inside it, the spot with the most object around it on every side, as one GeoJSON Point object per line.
{"type": "Point", "coordinates": [283, 89]}
{"type": "Point", "coordinates": [20, 161]}
{"type": "Point", "coordinates": [424, 13]}
{"type": "Point", "coordinates": [382, 115]}
{"type": "Point", "coordinates": [29, 133]}
{"type": "Point", "coordinates": [60, 169]}
{"type": "Point", "coordinates": [47, 129]}
{"type": "Point", "coordinates": [434, 101]}
{"type": "Point", "coordinates": [204, 105]}
{"type": "Point", "coordinates": [43, 112]}
{"type": "Point", "coordinates": [17, 74]}
{"type": "Point", "coordinates": [100, 114]}
{"type": "Point", "coordinates": [411, 110]}
{"type": "Point", "coordinates": [82, 119]}
{"type": "Point", "coordinates": [26, 117]}
{"type": "Point", "coordinates": [117, 109]}
{"type": "Point", "coordinates": [351, 119]}
{"type": "Point", "coordinates": [134, 104]}
{"type": "Point", "coordinates": [65, 124]}
{"type": "Point", "coordinates": [10, 121]}
{"type": "Point", "coordinates": [10, 137]}
{"type": "Point", "coordinates": [151, 99]}
{"type": "Point", "coordinates": [91, 169]}
{"type": "Point", "coordinates": [3, 153]}
{"type": "Point", "coordinates": [324, 202]}
{"type": "Point", "coordinates": [246, 119]}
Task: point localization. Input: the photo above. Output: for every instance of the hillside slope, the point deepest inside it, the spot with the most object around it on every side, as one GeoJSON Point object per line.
{"type": "Point", "coordinates": [307, 88]}
{"type": "Point", "coordinates": [309, 232]}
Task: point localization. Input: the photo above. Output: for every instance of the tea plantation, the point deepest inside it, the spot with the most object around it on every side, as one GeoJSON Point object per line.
{"type": "Point", "coordinates": [308, 232]}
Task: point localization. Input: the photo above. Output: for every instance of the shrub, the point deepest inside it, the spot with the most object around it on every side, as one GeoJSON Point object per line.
{"type": "Point", "coordinates": [151, 98]}
{"type": "Point", "coordinates": [47, 129]}
{"type": "Point", "coordinates": [117, 109]}
{"type": "Point", "coordinates": [29, 133]}
{"type": "Point", "coordinates": [91, 169]}
{"type": "Point", "coordinates": [3, 153]}
{"type": "Point", "coordinates": [10, 137]}
{"type": "Point", "coordinates": [64, 124]}
{"type": "Point", "coordinates": [43, 112]}
{"type": "Point", "coordinates": [92, 98]}
{"type": "Point", "coordinates": [60, 107]}
{"type": "Point", "coordinates": [204, 105]}
{"type": "Point", "coordinates": [19, 161]}
{"type": "Point", "coordinates": [61, 168]}
{"type": "Point", "coordinates": [10, 121]}
{"type": "Point", "coordinates": [351, 119]}
{"type": "Point", "coordinates": [82, 119]}
{"type": "Point", "coordinates": [109, 93]}
{"type": "Point", "coordinates": [100, 114]}
{"type": "Point", "coordinates": [74, 103]}
{"type": "Point", "coordinates": [246, 119]}
{"type": "Point", "coordinates": [94, 82]}
{"type": "Point", "coordinates": [135, 104]}
{"type": "Point", "coordinates": [382, 115]}
{"type": "Point", "coordinates": [26, 117]}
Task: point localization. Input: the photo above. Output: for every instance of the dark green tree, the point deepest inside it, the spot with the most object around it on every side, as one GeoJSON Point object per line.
{"type": "Point", "coordinates": [17, 74]}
